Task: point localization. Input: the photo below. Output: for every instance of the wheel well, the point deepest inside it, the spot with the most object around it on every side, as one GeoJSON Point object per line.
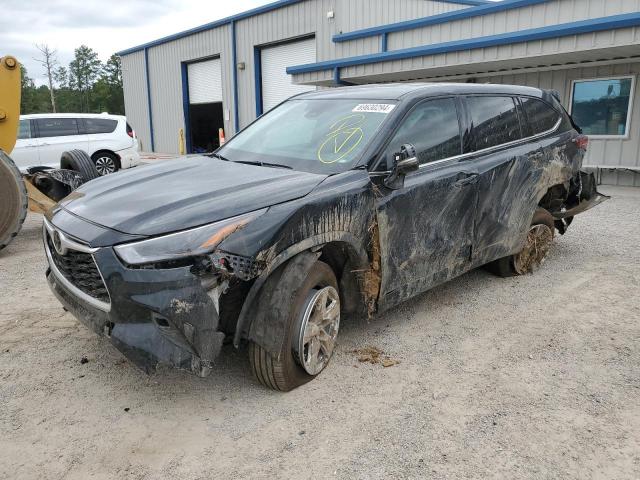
{"type": "Point", "coordinates": [343, 260]}
{"type": "Point", "coordinates": [555, 198]}
{"type": "Point", "coordinates": [98, 152]}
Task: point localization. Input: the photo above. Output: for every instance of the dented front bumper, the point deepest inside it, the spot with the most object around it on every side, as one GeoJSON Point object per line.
{"type": "Point", "coordinates": [159, 317]}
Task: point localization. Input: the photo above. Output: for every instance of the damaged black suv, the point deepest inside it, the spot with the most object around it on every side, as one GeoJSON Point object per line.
{"type": "Point", "coordinates": [344, 201]}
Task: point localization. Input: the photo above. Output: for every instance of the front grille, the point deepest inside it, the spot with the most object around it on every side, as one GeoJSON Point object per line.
{"type": "Point", "coordinates": [80, 269]}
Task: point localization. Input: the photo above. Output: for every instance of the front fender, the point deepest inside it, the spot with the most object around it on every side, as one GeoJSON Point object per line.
{"type": "Point", "coordinates": [311, 245]}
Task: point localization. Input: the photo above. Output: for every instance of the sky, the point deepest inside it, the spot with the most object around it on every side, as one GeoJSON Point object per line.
{"type": "Point", "coordinates": [105, 26]}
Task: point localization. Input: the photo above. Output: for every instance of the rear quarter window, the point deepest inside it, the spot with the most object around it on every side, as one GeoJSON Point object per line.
{"type": "Point", "coordinates": [541, 117]}
{"type": "Point", "coordinates": [99, 125]}
{"type": "Point", "coordinates": [495, 121]}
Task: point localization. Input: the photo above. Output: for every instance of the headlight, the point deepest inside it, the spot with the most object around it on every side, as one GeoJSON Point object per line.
{"type": "Point", "coordinates": [197, 241]}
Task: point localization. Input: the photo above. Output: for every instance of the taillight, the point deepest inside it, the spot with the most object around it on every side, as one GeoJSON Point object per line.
{"type": "Point", "coordinates": [130, 131]}
{"type": "Point", "coordinates": [581, 141]}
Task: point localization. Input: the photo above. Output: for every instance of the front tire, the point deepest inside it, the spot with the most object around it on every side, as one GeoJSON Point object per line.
{"type": "Point", "coordinates": [312, 327]}
{"type": "Point", "coordinates": [537, 246]}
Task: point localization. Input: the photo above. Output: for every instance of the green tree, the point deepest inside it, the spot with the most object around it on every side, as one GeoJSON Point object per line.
{"type": "Point", "coordinates": [83, 72]}
{"type": "Point", "coordinates": [107, 91]}
{"type": "Point", "coordinates": [33, 99]}
{"type": "Point", "coordinates": [86, 85]}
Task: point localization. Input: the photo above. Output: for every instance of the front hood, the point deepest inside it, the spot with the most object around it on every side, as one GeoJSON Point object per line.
{"type": "Point", "coordinates": [184, 193]}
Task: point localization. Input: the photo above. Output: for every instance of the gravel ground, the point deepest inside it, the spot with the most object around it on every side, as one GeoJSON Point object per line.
{"type": "Point", "coordinates": [532, 377]}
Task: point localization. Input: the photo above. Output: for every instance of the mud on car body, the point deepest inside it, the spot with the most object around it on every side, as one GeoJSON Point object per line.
{"type": "Point", "coordinates": [347, 201]}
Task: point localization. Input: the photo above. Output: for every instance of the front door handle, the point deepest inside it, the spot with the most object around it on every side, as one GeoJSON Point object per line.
{"type": "Point", "coordinates": [470, 179]}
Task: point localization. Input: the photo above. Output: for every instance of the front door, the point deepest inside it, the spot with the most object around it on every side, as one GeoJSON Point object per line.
{"type": "Point", "coordinates": [25, 153]}
{"type": "Point", "coordinates": [426, 227]}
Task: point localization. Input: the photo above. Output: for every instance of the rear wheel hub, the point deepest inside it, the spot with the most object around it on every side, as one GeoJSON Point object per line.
{"type": "Point", "coordinates": [539, 240]}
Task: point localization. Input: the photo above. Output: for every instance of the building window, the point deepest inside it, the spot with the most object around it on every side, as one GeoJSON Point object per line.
{"type": "Point", "coordinates": [602, 107]}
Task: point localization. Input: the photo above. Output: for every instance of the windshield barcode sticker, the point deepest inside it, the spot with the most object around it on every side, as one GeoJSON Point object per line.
{"type": "Point", "coordinates": [374, 108]}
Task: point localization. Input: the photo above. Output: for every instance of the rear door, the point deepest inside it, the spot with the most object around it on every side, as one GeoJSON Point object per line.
{"type": "Point", "coordinates": [104, 134]}
{"type": "Point", "coordinates": [503, 161]}
{"type": "Point", "coordinates": [25, 153]}
{"type": "Point", "coordinates": [426, 227]}
{"type": "Point", "coordinates": [57, 135]}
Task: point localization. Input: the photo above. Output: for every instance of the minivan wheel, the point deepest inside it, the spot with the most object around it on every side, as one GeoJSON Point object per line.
{"type": "Point", "coordinates": [106, 163]}
{"type": "Point", "coordinates": [535, 250]}
{"type": "Point", "coordinates": [312, 329]}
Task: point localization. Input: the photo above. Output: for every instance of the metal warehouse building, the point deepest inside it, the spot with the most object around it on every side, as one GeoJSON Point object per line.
{"type": "Point", "coordinates": [226, 73]}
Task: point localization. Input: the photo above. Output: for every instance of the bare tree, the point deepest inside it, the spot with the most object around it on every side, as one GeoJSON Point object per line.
{"type": "Point", "coordinates": [49, 61]}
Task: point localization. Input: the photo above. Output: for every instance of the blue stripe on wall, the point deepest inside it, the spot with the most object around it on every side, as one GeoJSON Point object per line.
{"type": "Point", "coordinates": [483, 9]}
{"type": "Point", "coordinates": [185, 106]}
{"type": "Point", "coordinates": [234, 56]}
{"type": "Point", "coordinates": [146, 74]}
{"type": "Point", "coordinates": [257, 78]}
{"type": "Point", "coordinates": [553, 31]}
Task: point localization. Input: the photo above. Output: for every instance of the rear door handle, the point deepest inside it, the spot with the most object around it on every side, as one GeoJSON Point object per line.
{"type": "Point", "coordinates": [470, 179]}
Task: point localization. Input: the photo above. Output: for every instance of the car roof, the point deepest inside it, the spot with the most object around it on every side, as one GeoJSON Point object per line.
{"type": "Point", "coordinates": [398, 91]}
{"type": "Point", "coordinates": [31, 116]}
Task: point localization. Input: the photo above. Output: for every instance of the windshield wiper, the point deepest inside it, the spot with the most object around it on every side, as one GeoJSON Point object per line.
{"type": "Point", "coordinates": [263, 164]}
{"type": "Point", "coordinates": [217, 155]}
{"type": "Point", "coordinates": [249, 162]}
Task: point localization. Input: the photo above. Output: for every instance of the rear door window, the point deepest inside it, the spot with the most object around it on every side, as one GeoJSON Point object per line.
{"type": "Point", "coordinates": [432, 128]}
{"type": "Point", "coordinates": [495, 121]}
{"type": "Point", "coordinates": [99, 125]}
{"type": "Point", "coordinates": [541, 117]}
{"type": "Point", "coordinates": [24, 129]}
{"type": "Point", "coordinates": [57, 127]}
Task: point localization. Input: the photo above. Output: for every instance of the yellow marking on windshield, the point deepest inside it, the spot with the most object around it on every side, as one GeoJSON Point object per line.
{"type": "Point", "coordinates": [346, 134]}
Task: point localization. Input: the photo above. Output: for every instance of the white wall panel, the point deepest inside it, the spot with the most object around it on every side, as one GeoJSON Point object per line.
{"type": "Point", "coordinates": [135, 96]}
{"type": "Point", "coordinates": [277, 85]}
{"type": "Point", "coordinates": [205, 81]}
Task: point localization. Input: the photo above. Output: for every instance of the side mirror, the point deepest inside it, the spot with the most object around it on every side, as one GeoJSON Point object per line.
{"type": "Point", "coordinates": [404, 162]}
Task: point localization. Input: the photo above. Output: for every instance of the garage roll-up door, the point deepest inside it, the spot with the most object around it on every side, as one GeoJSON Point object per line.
{"type": "Point", "coordinates": [205, 81]}
{"type": "Point", "coordinates": [276, 84]}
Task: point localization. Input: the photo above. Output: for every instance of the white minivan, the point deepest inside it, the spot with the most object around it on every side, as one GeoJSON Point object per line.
{"type": "Point", "coordinates": [108, 139]}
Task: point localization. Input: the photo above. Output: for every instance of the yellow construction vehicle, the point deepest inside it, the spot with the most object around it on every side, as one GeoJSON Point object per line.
{"type": "Point", "coordinates": [13, 192]}
{"type": "Point", "coordinates": [39, 188]}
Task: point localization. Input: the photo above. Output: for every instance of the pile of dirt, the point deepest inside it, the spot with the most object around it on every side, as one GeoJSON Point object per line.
{"type": "Point", "coordinates": [375, 356]}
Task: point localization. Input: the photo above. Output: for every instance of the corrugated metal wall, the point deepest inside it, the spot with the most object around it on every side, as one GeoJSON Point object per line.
{"type": "Point", "coordinates": [544, 14]}
{"type": "Point", "coordinates": [166, 82]}
{"type": "Point", "coordinates": [305, 18]}
{"type": "Point", "coordinates": [135, 96]}
{"type": "Point", "coordinates": [604, 152]}
{"type": "Point", "coordinates": [310, 18]}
